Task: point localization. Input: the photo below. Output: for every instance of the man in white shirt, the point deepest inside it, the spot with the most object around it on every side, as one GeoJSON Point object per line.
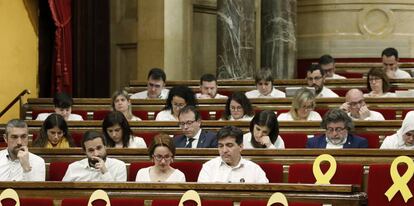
{"type": "Point", "coordinates": [230, 167]}
{"type": "Point", "coordinates": [63, 106]}
{"type": "Point", "coordinates": [390, 61]}
{"type": "Point", "coordinates": [264, 86]}
{"type": "Point", "coordinates": [327, 63]}
{"type": "Point", "coordinates": [16, 162]}
{"type": "Point", "coordinates": [315, 77]}
{"type": "Point", "coordinates": [155, 86]}
{"type": "Point", "coordinates": [356, 108]}
{"type": "Point", "coordinates": [96, 167]}
{"type": "Point", "coordinates": [208, 87]}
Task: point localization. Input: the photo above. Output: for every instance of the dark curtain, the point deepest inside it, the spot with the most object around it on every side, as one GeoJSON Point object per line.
{"type": "Point", "coordinates": [46, 47]}
{"type": "Point", "coordinates": [62, 57]}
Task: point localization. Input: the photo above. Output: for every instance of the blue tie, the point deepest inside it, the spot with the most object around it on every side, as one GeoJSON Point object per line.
{"type": "Point", "coordinates": [189, 144]}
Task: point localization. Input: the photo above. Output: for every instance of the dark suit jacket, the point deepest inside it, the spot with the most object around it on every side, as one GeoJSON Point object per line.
{"type": "Point", "coordinates": [206, 140]}
{"type": "Point", "coordinates": [352, 141]}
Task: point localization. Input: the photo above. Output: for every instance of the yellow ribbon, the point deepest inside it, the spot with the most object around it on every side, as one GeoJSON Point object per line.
{"type": "Point", "coordinates": [317, 172]}
{"type": "Point", "coordinates": [277, 198]}
{"type": "Point", "coordinates": [10, 193]}
{"type": "Point", "coordinates": [400, 183]}
{"type": "Point", "coordinates": [99, 195]}
{"type": "Point", "coordinates": [190, 195]}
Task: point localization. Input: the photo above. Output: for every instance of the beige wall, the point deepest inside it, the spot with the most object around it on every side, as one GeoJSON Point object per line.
{"type": "Point", "coordinates": [18, 53]}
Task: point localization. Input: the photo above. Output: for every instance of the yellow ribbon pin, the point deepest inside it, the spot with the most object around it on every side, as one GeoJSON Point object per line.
{"type": "Point", "coordinates": [400, 183]}
{"type": "Point", "coordinates": [277, 198]}
{"type": "Point", "coordinates": [190, 195]}
{"type": "Point", "coordinates": [317, 172]}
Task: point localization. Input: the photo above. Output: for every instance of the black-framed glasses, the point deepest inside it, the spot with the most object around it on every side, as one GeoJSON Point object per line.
{"type": "Point", "coordinates": [160, 157]}
{"type": "Point", "coordinates": [314, 78]}
{"type": "Point", "coordinates": [187, 123]}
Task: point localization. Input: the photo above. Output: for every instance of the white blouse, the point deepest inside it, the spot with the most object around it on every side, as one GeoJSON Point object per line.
{"type": "Point", "coordinates": [143, 175]}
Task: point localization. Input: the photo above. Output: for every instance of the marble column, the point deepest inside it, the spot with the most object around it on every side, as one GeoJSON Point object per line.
{"type": "Point", "coordinates": [235, 39]}
{"type": "Point", "coordinates": [278, 37]}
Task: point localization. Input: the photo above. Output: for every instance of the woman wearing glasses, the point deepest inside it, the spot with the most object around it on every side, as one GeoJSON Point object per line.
{"type": "Point", "coordinates": [303, 104]}
{"type": "Point", "coordinates": [264, 132]}
{"type": "Point", "coordinates": [378, 84]}
{"type": "Point", "coordinates": [179, 97]}
{"type": "Point", "coordinates": [161, 152]}
{"type": "Point", "coordinates": [238, 107]}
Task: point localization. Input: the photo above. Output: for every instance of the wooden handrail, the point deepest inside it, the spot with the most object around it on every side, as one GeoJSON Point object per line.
{"type": "Point", "coordinates": [17, 98]}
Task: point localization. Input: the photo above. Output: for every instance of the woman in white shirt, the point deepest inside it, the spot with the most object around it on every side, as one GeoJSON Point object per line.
{"type": "Point", "coordinates": [161, 152]}
{"type": "Point", "coordinates": [122, 103]}
{"type": "Point", "coordinates": [264, 132]}
{"type": "Point", "coordinates": [118, 134]}
{"type": "Point", "coordinates": [178, 97]}
{"type": "Point", "coordinates": [238, 107]}
{"type": "Point", "coordinates": [378, 84]}
{"type": "Point", "coordinates": [404, 137]}
{"type": "Point", "coordinates": [303, 104]}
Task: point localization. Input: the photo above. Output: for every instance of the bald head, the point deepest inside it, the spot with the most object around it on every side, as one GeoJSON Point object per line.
{"type": "Point", "coordinates": [354, 94]}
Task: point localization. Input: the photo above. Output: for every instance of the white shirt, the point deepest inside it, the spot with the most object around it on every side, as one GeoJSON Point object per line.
{"type": "Point", "coordinates": [81, 171]}
{"type": "Point", "coordinates": [387, 94]}
{"type": "Point", "coordinates": [72, 117]}
{"type": "Point", "coordinates": [143, 175]}
{"type": "Point", "coordinates": [244, 118]}
{"type": "Point", "coordinates": [165, 115]}
{"type": "Point", "coordinates": [326, 92]}
{"type": "Point", "coordinates": [136, 142]}
{"type": "Point", "coordinates": [279, 143]}
{"type": "Point", "coordinates": [13, 171]}
{"type": "Point", "coordinates": [144, 95]}
{"type": "Point", "coordinates": [274, 94]}
{"type": "Point", "coordinates": [313, 116]}
{"type": "Point", "coordinates": [216, 170]}
{"type": "Point", "coordinates": [218, 96]}
{"type": "Point", "coordinates": [401, 74]}
{"type": "Point", "coordinates": [373, 115]}
{"type": "Point", "coordinates": [336, 76]}
{"type": "Point", "coordinates": [135, 118]}
{"type": "Point", "coordinates": [195, 141]}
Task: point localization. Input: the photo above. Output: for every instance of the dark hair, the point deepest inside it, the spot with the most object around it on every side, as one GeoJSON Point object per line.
{"type": "Point", "coordinates": [91, 135]}
{"type": "Point", "coordinates": [62, 100]}
{"type": "Point", "coordinates": [113, 118]}
{"type": "Point", "coordinates": [240, 98]}
{"type": "Point", "coordinates": [388, 52]}
{"type": "Point", "coordinates": [264, 74]}
{"type": "Point", "coordinates": [181, 91]}
{"type": "Point", "coordinates": [265, 118]}
{"type": "Point", "coordinates": [53, 120]}
{"type": "Point", "coordinates": [230, 131]}
{"type": "Point", "coordinates": [380, 73]}
{"type": "Point", "coordinates": [326, 59]}
{"type": "Point", "coordinates": [207, 78]}
{"type": "Point", "coordinates": [161, 140]}
{"type": "Point", "coordinates": [337, 115]}
{"type": "Point", "coordinates": [315, 67]}
{"type": "Point", "coordinates": [192, 109]}
{"type": "Point", "coordinates": [157, 74]}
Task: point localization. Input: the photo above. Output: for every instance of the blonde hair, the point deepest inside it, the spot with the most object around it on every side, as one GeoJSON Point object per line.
{"type": "Point", "coordinates": [301, 97]}
{"type": "Point", "coordinates": [123, 93]}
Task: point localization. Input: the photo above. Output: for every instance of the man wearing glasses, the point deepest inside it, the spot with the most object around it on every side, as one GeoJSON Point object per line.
{"type": "Point", "coordinates": [155, 86]}
{"type": "Point", "coordinates": [327, 63]}
{"type": "Point", "coordinates": [356, 108]}
{"type": "Point", "coordinates": [337, 125]}
{"type": "Point", "coordinates": [193, 136]}
{"type": "Point", "coordinates": [315, 77]}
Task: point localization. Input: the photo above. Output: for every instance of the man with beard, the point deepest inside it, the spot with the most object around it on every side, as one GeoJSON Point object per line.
{"type": "Point", "coordinates": [315, 77]}
{"type": "Point", "coordinates": [193, 136]}
{"type": "Point", "coordinates": [337, 125]}
{"type": "Point", "coordinates": [96, 167]}
{"type": "Point", "coordinates": [16, 162]}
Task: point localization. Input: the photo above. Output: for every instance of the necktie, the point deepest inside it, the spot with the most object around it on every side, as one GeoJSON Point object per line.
{"type": "Point", "coordinates": [190, 143]}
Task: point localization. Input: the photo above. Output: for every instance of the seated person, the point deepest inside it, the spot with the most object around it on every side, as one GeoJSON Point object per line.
{"type": "Point", "coordinates": [230, 166]}
{"type": "Point", "coordinates": [16, 162]}
{"type": "Point", "coordinates": [118, 134]}
{"type": "Point", "coordinates": [161, 152]}
{"type": "Point", "coordinates": [356, 108]}
{"type": "Point", "coordinates": [122, 103]}
{"type": "Point", "coordinates": [337, 125]}
{"type": "Point", "coordinates": [63, 106]}
{"type": "Point", "coordinates": [315, 77]}
{"type": "Point", "coordinates": [238, 107]}
{"type": "Point", "coordinates": [179, 97]}
{"type": "Point", "coordinates": [193, 136]}
{"type": "Point", "coordinates": [378, 84]}
{"type": "Point", "coordinates": [264, 86]}
{"type": "Point", "coordinates": [265, 130]}
{"type": "Point", "coordinates": [155, 86]}
{"type": "Point", "coordinates": [54, 133]}
{"type": "Point", "coordinates": [390, 61]}
{"type": "Point", "coordinates": [303, 104]}
{"type": "Point", "coordinates": [404, 138]}
{"type": "Point", "coordinates": [327, 63]}
{"type": "Point", "coordinates": [208, 87]}
{"type": "Point", "coordinates": [96, 166]}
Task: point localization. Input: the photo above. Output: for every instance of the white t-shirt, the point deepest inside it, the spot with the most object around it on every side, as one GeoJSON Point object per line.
{"type": "Point", "coordinates": [244, 118]}
{"type": "Point", "coordinates": [387, 94]}
{"type": "Point", "coordinates": [165, 115]}
{"type": "Point", "coordinates": [401, 74]}
{"type": "Point", "coordinates": [326, 92]}
{"type": "Point", "coordinates": [218, 96]}
{"type": "Point", "coordinates": [313, 116]}
{"type": "Point", "coordinates": [274, 94]}
{"type": "Point", "coordinates": [137, 142]}
{"type": "Point", "coordinates": [72, 117]}
{"type": "Point", "coordinates": [336, 76]}
{"type": "Point", "coordinates": [279, 143]}
{"type": "Point", "coordinates": [144, 95]}
{"type": "Point", "coordinates": [143, 175]}
{"type": "Point", "coordinates": [373, 115]}
{"type": "Point", "coordinates": [13, 171]}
